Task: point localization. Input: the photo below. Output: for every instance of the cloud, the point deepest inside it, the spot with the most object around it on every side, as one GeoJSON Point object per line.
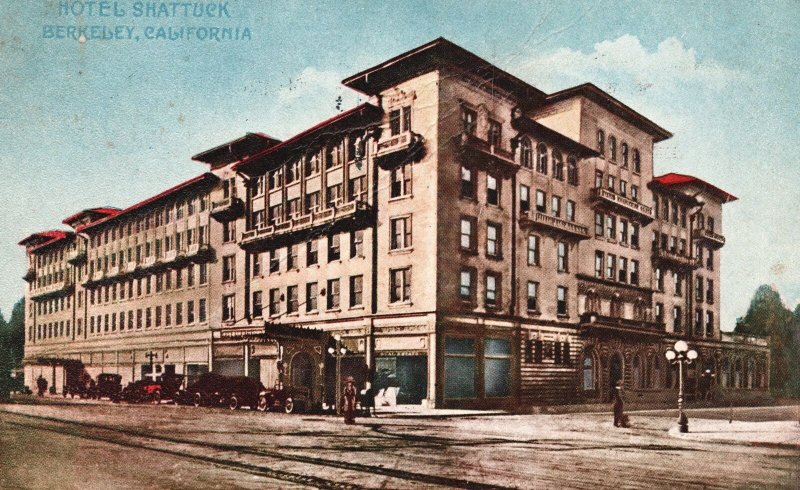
{"type": "Point", "coordinates": [625, 62]}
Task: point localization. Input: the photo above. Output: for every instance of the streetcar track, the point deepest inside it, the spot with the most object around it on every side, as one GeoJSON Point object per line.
{"type": "Point", "coordinates": [274, 474]}
{"type": "Point", "coordinates": [351, 466]}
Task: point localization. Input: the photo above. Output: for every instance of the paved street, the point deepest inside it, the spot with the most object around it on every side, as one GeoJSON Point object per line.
{"type": "Point", "coordinates": [77, 444]}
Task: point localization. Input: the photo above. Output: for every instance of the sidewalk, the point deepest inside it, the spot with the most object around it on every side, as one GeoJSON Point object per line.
{"type": "Point", "coordinates": [781, 434]}
{"type": "Point", "coordinates": [418, 411]}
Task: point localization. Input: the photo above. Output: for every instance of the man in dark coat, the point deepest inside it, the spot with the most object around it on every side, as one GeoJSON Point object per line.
{"type": "Point", "coordinates": [620, 420]}
{"type": "Point", "coordinates": [41, 385]}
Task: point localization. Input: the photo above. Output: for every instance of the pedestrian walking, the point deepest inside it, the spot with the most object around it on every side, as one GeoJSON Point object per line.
{"type": "Point", "coordinates": [620, 419]}
{"type": "Point", "coordinates": [41, 385]}
{"type": "Point", "coordinates": [349, 395]}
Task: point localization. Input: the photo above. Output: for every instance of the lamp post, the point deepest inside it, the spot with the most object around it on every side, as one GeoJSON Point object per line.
{"type": "Point", "coordinates": [338, 350]}
{"type": "Point", "coordinates": [680, 354]}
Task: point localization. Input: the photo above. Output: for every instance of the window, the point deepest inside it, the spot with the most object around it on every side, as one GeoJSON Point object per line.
{"type": "Point", "coordinates": [357, 190]}
{"type": "Point", "coordinates": [201, 310]}
{"type": "Point", "coordinates": [635, 272]}
{"type": "Point", "coordinates": [497, 367]}
{"type": "Point", "coordinates": [598, 263]}
{"type": "Point", "coordinates": [401, 180]}
{"type": "Point", "coordinates": [563, 257]}
{"type": "Point", "coordinates": [203, 275]}
{"type": "Point", "coordinates": [179, 314]}
{"type": "Point", "coordinates": [635, 193]}
{"type": "Point", "coordinates": [541, 201]}
{"type": "Point", "coordinates": [698, 289]}
{"type": "Point", "coordinates": [611, 227]}
{"type": "Point", "coordinates": [333, 195]}
{"type": "Point", "coordinates": [312, 164]}
{"type": "Point", "coordinates": [526, 153]}
{"type": "Point", "coordinates": [356, 291]}
{"type": "Point", "coordinates": [492, 294]}
{"type": "Point", "coordinates": [561, 300]}
{"type": "Point", "coordinates": [492, 190]}
{"type": "Point", "coordinates": [659, 279]}
{"type": "Point", "coordinates": [634, 235]}
{"type": "Point", "coordinates": [612, 182]}
{"type": "Point", "coordinates": [541, 158]}
{"type": "Point", "coordinates": [274, 301]}
{"type": "Point", "coordinates": [709, 323]}
{"type": "Point", "coordinates": [493, 243]}
{"type": "Point", "coordinates": [598, 179]}
{"type": "Point", "coordinates": [167, 316]}
{"type": "Point", "coordinates": [312, 202]}
{"type": "Point", "coordinates": [524, 198]}
{"type": "Point", "coordinates": [637, 161]}
{"type": "Point", "coordinates": [256, 264]}
{"type": "Point", "coordinates": [469, 120]}
{"type": "Point", "coordinates": [698, 321]}
{"type": "Point", "coordinates": [293, 208]}
{"type": "Point", "coordinates": [292, 302]}
{"type": "Point", "coordinates": [533, 296]}
{"type": "Point", "coordinates": [623, 269]}
{"type": "Point", "coordinates": [276, 178]}
{"type": "Point", "coordinates": [623, 231]}
{"type": "Point", "coordinates": [312, 294]}
{"type": "Point", "coordinates": [400, 285]}
{"type": "Point", "coordinates": [401, 233]}
{"type": "Point", "coordinates": [572, 170]}
{"type": "Point", "coordinates": [228, 269]}
{"type": "Point", "coordinates": [333, 296]}
{"type": "Point", "coordinates": [623, 188]}
{"type": "Point", "coordinates": [257, 304]}
{"type": "Point", "coordinates": [710, 291]}
{"type": "Point", "coordinates": [611, 267]}
{"type": "Point", "coordinates": [312, 252]}
{"type": "Point", "coordinates": [612, 147]}
{"type": "Point", "coordinates": [466, 284]}
{"type": "Point", "coordinates": [677, 315]}
{"type": "Point", "coordinates": [588, 372]}
{"type": "Point", "coordinates": [467, 183]}
{"type": "Point", "coordinates": [292, 171]}
{"type": "Point", "coordinates": [189, 275]}
{"type": "Point", "coordinates": [598, 223]}
{"type": "Point", "coordinates": [659, 312]}
{"type": "Point", "coordinates": [709, 259]}
{"type": "Point", "coordinates": [334, 247]}
{"type": "Point", "coordinates": [533, 250]}
{"type": "Point", "coordinates": [556, 206]}
{"type": "Point", "coordinates": [228, 233]}
{"type": "Point", "coordinates": [468, 238]}
{"type": "Point", "coordinates": [228, 309]}
{"type": "Point", "coordinates": [459, 367]}
{"type": "Point", "coordinates": [495, 133]}
{"type": "Point", "coordinates": [190, 312]}
{"type": "Point", "coordinates": [570, 210]}
{"type": "Point", "coordinates": [624, 149]}
{"type": "Point", "coordinates": [558, 165]}
{"type": "Point", "coordinates": [601, 142]}
{"type": "Point", "coordinates": [357, 243]}
{"type": "Point", "coordinates": [274, 261]}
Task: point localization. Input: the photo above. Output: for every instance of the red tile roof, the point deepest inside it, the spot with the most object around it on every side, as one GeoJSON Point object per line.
{"type": "Point", "coordinates": [200, 179]}
{"type": "Point", "coordinates": [107, 211]}
{"type": "Point", "coordinates": [42, 239]}
{"type": "Point", "coordinates": [305, 133]}
{"type": "Point", "coordinates": [676, 180]}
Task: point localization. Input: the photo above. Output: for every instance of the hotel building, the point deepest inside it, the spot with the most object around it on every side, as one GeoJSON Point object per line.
{"type": "Point", "coordinates": [472, 240]}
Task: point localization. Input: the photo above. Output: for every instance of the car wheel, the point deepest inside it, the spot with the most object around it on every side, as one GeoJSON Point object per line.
{"type": "Point", "coordinates": [262, 404]}
{"type": "Point", "coordinates": [197, 400]}
{"type": "Point", "coordinates": [288, 405]}
{"type": "Point", "coordinates": [233, 402]}
{"type": "Point", "coordinates": [157, 397]}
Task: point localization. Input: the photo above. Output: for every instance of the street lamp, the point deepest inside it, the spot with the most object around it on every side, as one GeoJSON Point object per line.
{"type": "Point", "coordinates": [338, 350]}
{"type": "Point", "coordinates": [680, 354]}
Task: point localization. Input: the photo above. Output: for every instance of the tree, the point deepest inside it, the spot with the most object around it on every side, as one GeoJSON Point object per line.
{"type": "Point", "coordinates": [6, 362]}
{"type": "Point", "coordinates": [16, 334]}
{"type": "Point", "coordinates": [767, 316]}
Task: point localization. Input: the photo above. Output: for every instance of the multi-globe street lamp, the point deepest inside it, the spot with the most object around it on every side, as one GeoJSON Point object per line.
{"type": "Point", "coordinates": [680, 354]}
{"type": "Point", "coordinates": [338, 351]}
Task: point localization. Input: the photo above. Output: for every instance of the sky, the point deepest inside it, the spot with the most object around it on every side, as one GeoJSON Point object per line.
{"type": "Point", "coordinates": [99, 122]}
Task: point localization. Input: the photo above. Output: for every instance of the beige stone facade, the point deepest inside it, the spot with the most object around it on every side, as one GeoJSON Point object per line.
{"type": "Point", "coordinates": [472, 240]}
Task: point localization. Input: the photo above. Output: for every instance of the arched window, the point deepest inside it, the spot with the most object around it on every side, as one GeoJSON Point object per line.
{"type": "Point", "coordinates": [541, 161]}
{"type": "Point", "coordinates": [601, 142]}
{"type": "Point", "coordinates": [655, 373]}
{"type": "Point", "coordinates": [526, 153]}
{"type": "Point", "coordinates": [737, 374]}
{"type": "Point", "coordinates": [572, 170]}
{"type": "Point", "coordinates": [726, 373]}
{"type": "Point", "coordinates": [636, 371]}
{"type": "Point", "coordinates": [624, 149]}
{"type": "Point", "coordinates": [612, 147]}
{"type": "Point", "coordinates": [751, 373]}
{"type": "Point", "coordinates": [558, 165]}
{"type": "Point", "coordinates": [588, 371]}
{"type": "Point", "coordinates": [637, 161]}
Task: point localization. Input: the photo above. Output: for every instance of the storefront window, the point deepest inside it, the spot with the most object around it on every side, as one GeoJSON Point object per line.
{"type": "Point", "coordinates": [459, 367]}
{"type": "Point", "coordinates": [497, 367]}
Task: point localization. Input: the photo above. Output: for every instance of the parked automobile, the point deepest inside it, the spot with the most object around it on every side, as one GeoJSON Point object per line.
{"type": "Point", "coordinates": [108, 386]}
{"type": "Point", "coordinates": [283, 398]}
{"type": "Point", "coordinates": [213, 389]}
{"type": "Point", "coordinates": [164, 387]}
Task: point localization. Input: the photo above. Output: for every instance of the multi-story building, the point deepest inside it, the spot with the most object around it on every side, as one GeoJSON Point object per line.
{"type": "Point", "coordinates": [470, 240]}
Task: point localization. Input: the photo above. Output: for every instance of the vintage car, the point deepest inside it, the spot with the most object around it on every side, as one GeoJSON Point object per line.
{"type": "Point", "coordinates": [283, 398]}
{"type": "Point", "coordinates": [164, 387]}
{"type": "Point", "coordinates": [213, 389]}
{"type": "Point", "coordinates": [108, 386]}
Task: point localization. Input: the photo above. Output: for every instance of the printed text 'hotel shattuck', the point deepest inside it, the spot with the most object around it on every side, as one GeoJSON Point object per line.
{"type": "Point", "coordinates": [145, 21]}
